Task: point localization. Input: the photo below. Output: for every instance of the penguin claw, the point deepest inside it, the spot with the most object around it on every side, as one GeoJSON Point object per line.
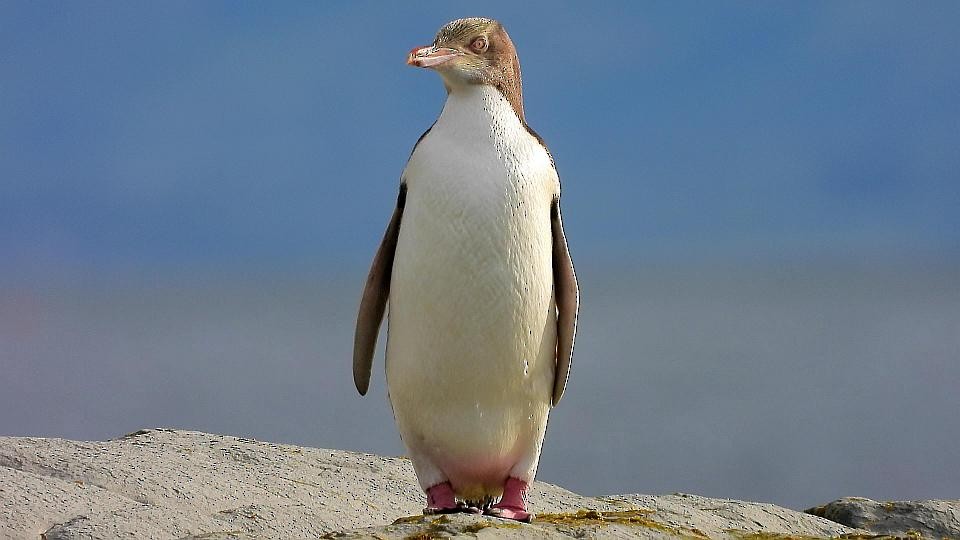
{"type": "Point", "coordinates": [460, 508]}
{"type": "Point", "coordinates": [467, 509]}
{"type": "Point", "coordinates": [431, 511]}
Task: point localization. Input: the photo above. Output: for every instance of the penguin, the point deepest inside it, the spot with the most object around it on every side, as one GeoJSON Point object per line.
{"type": "Point", "coordinates": [482, 293]}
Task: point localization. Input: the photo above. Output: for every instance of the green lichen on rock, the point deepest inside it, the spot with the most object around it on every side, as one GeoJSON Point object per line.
{"type": "Point", "coordinates": [433, 530]}
{"type": "Point", "coordinates": [498, 524]}
{"type": "Point", "coordinates": [407, 519]}
{"type": "Point", "coordinates": [443, 526]}
{"type": "Point", "coordinates": [635, 517]}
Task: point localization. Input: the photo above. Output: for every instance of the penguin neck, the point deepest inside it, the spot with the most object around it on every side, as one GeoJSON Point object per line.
{"type": "Point", "coordinates": [478, 108]}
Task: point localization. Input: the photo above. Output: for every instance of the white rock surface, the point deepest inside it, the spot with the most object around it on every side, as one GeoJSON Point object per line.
{"type": "Point", "coordinates": [165, 483]}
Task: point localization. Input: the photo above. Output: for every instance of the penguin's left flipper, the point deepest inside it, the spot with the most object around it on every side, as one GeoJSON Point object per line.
{"type": "Point", "coordinates": [568, 301]}
{"type": "Point", "coordinates": [373, 303]}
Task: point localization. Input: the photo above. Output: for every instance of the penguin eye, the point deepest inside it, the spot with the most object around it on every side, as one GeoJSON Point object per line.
{"type": "Point", "coordinates": [479, 44]}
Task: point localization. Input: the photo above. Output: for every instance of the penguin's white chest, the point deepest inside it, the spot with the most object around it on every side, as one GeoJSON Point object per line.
{"type": "Point", "coordinates": [472, 323]}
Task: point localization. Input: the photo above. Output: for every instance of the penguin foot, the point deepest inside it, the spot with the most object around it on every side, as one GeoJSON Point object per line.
{"type": "Point", "coordinates": [441, 500]}
{"type": "Point", "coordinates": [513, 504]}
{"type": "Point", "coordinates": [516, 514]}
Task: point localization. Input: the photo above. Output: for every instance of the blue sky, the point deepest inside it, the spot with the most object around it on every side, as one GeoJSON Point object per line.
{"type": "Point", "coordinates": [190, 194]}
{"type": "Point", "coordinates": [232, 135]}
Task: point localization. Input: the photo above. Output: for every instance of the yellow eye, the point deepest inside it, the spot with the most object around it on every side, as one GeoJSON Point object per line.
{"type": "Point", "coordinates": [479, 44]}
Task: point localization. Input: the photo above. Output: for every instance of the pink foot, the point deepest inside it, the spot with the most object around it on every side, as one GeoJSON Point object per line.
{"type": "Point", "coordinates": [440, 500]}
{"type": "Point", "coordinates": [513, 504]}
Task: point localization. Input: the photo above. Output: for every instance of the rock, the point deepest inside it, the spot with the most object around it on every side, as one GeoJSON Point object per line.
{"type": "Point", "coordinates": [640, 516]}
{"type": "Point", "coordinates": [166, 483]}
{"type": "Point", "coordinates": [928, 519]}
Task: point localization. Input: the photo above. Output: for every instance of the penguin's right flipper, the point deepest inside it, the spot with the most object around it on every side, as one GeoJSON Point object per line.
{"type": "Point", "coordinates": [374, 300]}
{"type": "Point", "coordinates": [568, 302]}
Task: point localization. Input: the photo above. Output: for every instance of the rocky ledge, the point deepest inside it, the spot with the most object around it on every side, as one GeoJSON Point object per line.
{"type": "Point", "coordinates": [164, 483]}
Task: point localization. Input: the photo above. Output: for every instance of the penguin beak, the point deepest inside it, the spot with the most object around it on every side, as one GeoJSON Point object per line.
{"type": "Point", "coordinates": [431, 56]}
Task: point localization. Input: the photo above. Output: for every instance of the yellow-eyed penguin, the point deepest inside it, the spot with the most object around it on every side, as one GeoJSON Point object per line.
{"type": "Point", "coordinates": [482, 292]}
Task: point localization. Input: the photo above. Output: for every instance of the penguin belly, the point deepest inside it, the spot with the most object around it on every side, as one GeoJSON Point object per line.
{"type": "Point", "coordinates": [472, 320]}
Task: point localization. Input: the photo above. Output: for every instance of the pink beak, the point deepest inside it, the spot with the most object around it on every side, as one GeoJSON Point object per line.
{"type": "Point", "coordinates": [431, 56]}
